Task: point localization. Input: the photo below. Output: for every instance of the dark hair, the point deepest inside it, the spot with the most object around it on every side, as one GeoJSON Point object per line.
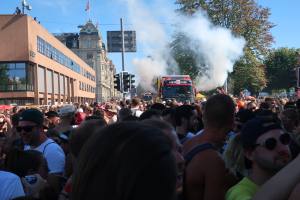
{"type": "Point", "coordinates": [168, 111]}
{"type": "Point", "coordinates": [124, 113]}
{"type": "Point", "coordinates": [128, 161]}
{"type": "Point", "coordinates": [290, 105]}
{"type": "Point", "coordinates": [15, 119]}
{"type": "Point", "coordinates": [94, 117]}
{"type": "Point", "coordinates": [184, 111]}
{"type": "Point", "coordinates": [148, 114]}
{"type": "Point", "coordinates": [22, 162]}
{"type": "Point", "coordinates": [218, 111]}
{"type": "Point", "coordinates": [158, 124]}
{"type": "Point", "coordinates": [135, 102]}
{"type": "Point", "coordinates": [130, 118]}
{"type": "Point", "coordinates": [81, 134]}
{"type": "Point", "coordinates": [264, 106]}
{"type": "Point", "coordinates": [158, 106]}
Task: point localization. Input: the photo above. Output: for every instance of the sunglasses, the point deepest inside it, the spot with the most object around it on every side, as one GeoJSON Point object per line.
{"type": "Point", "coordinates": [271, 143]}
{"type": "Point", "coordinates": [25, 128]}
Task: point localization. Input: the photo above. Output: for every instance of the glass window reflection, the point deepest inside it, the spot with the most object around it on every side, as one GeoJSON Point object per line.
{"type": "Point", "coordinates": [16, 77]}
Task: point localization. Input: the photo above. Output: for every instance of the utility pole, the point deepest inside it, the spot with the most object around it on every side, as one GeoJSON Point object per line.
{"type": "Point", "coordinates": [123, 45]}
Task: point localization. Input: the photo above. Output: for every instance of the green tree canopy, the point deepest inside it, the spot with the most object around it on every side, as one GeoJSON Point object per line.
{"type": "Point", "coordinates": [280, 68]}
{"type": "Point", "coordinates": [248, 74]}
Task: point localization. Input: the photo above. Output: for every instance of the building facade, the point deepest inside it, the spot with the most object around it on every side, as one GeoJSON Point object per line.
{"type": "Point", "coordinates": [89, 46]}
{"type": "Point", "coordinates": [36, 68]}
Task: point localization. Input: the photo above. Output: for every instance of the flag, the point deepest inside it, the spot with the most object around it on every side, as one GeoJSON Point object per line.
{"type": "Point", "coordinates": [87, 7]}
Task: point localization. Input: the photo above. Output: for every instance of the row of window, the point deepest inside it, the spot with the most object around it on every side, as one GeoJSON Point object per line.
{"type": "Point", "coordinates": [48, 50]}
{"type": "Point", "coordinates": [86, 87]}
{"type": "Point", "coordinates": [56, 83]}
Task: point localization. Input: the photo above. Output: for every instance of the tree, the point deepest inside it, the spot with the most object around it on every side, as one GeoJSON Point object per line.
{"type": "Point", "coordinates": [280, 68]}
{"type": "Point", "coordinates": [248, 74]}
{"type": "Point", "coordinates": [247, 19]}
{"type": "Point", "coordinates": [243, 17]}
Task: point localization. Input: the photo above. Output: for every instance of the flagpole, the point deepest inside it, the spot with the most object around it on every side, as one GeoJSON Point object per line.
{"type": "Point", "coordinates": [89, 10]}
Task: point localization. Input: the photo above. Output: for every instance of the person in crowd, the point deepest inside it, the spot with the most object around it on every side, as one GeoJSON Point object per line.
{"type": "Point", "coordinates": [158, 106]}
{"type": "Point", "coordinates": [150, 114]}
{"type": "Point", "coordinates": [186, 122]}
{"type": "Point", "coordinates": [169, 131]}
{"type": "Point", "coordinates": [199, 126]}
{"type": "Point", "coordinates": [135, 107]}
{"type": "Point", "coordinates": [31, 130]}
{"type": "Point", "coordinates": [233, 154]}
{"type": "Point", "coordinates": [53, 118]}
{"type": "Point", "coordinates": [31, 167]}
{"type": "Point", "coordinates": [136, 162]}
{"type": "Point", "coordinates": [79, 116]}
{"type": "Point", "coordinates": [77, 139]}
{"type": "Point", "coordinates": [290, 122]}
{"type": "Point", "coordinates": [283, 185]}
{"type": "Point", "coordinates": [11, 186]}
{"type": "Point", "coordinates": [110, 113]}
{"type": "Point", "coordinates": [266, 151]}
{"type": "Point", "coordinates": [252, 106]}
{"type": "Point", "coordinates": [123, 114]}
{"type": "Point", "coordinates": [168, 116]}
{"type": "Point", "coordinates": [206, 177]}
{"type": "Point", "coordinates": [66, 114]}
{"type": "Point", "coordinates": [5, 125]}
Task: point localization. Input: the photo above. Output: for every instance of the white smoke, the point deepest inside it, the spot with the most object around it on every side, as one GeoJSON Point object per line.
{"type": "Point", "coordinates": [153, 40]}
{"type": "Point", "coordinates": [214, 46]}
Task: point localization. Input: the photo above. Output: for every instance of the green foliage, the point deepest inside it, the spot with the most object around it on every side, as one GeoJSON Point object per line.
{"type": "Point", "coordinates": [248, 74]}
{"type": "Point", "coordinates": [280, 68]}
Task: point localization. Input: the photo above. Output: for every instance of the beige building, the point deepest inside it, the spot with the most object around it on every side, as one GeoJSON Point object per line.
{"type": "Point", "coordinates": [89, 46]}
{"type": "Point", "coordinates": [36, 68]}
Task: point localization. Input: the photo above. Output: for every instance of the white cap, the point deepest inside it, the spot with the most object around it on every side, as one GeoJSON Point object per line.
{"type": "Point", "coordinates": [80, 110]}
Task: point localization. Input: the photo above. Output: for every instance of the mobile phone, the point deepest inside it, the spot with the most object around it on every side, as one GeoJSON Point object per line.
{"type": "Point", "coordinates": [31, 179]}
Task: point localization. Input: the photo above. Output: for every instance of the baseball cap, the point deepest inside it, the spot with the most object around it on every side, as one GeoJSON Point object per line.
{"type": "Point", "coordinates": [52, 114]}
{"type": "Point", "coordinates": [255, 128]}
{"type": "Point", "coordinates": [66, 109]}
{"type": "Point", "coordinates": [32, 115]}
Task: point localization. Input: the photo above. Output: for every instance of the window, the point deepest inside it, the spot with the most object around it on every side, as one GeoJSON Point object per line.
{"type": "Point", "coordinates": [55, 77]}
{"type": "Point", "coordinates": [61, 84]}
{"type": "Point", "coordinates": [16, 77]}
{"type": "Point", "coordinates": [41, 79]}
{"type": "Point", "coordinates": [49, 81]}
{"type": "Point", "coordinates": [89, 55]}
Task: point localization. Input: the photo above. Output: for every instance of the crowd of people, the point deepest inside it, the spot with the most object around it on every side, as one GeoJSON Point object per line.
{"type": "Point", "coordinates": [220, 148]}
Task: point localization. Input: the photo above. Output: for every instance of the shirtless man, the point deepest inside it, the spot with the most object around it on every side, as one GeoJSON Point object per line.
{"type": "Point", "coordinates": [206, 177]}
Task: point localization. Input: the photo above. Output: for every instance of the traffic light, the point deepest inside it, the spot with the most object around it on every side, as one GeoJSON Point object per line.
{"type": "Point", "coordinates": [117, 82]}
{"type": "Point", "coordinates": [126, 81]}
{"type": "Point", "coordinates": [132, 81]}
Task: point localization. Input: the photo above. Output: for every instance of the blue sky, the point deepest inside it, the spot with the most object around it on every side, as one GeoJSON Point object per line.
{"type": "Point", "coordinates": [65, 15]}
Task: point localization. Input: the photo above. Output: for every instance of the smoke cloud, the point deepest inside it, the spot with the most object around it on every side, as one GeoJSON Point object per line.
{"type": "Point", "coordinates": [216, 47]}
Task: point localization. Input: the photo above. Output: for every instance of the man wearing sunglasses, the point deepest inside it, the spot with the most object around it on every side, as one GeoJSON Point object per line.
{"type": "Point", "coordinates": [31, 129]}
{"type": "Point", "coordinates": [266, 151]}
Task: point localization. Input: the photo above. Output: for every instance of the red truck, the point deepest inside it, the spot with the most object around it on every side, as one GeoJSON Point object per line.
{"type": "Point", "coordinates": [178, 87]}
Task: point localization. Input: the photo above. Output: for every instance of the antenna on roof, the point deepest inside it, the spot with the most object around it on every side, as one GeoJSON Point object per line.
{"type": "Point", "coordinates": [25, 5]}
